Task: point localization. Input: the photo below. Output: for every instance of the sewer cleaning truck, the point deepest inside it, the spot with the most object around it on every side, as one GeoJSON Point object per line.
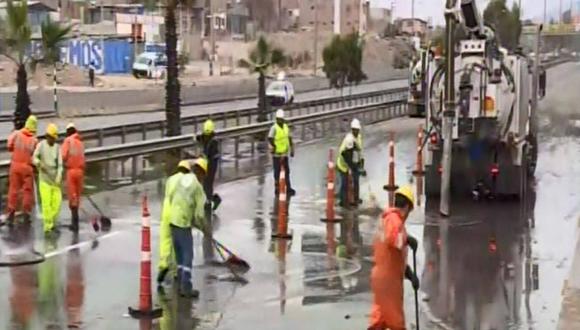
{"type": "Point", "coordinates": [488, 108]}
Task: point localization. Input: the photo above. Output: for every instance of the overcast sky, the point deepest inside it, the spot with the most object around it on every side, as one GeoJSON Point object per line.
{"type": "Point", "coordinates": [434, 8]}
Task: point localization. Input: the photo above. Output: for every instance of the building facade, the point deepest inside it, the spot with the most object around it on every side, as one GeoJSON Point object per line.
{"type": "Point", "coordinates": [339, 16]}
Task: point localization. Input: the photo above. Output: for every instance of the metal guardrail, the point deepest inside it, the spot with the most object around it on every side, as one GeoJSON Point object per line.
{"type": "Point", "coordinates": [235, 117]}
{"type": "Point", "coordinates": [368, 113]}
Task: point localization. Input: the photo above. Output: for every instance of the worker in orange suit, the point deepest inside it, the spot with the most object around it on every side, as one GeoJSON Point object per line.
{"type": "Point", "coordinates": [73, 156]}
{"type": "Point", "coordinates": [390, 264]}
{"type": "Point", "coordinates": [21, 144]}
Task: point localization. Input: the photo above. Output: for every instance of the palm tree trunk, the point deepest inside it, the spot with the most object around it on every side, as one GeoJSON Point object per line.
{"type": "Point", "coordinates": [172, 86]}
{"type": "Point", "coordinates": [262, 116]}
{"type": "Point", "coordinates": [22, 110]}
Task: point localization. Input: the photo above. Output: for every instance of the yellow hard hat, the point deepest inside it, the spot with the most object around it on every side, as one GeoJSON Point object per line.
{"type": "Point", "coordinates": [202, 163]}
{"type": "Point", "coordinates": [31, 123]}
{"type": "Point", "coordinates": [70, 125]}
{"type": "Point", "coordinates": [185, 164]}
{"type": "Point", "coordinates": [208, 126]}
{"type": "Point", "coordinates": [52, 130]}
{"type": "Point", "coordinates": [407, 192]}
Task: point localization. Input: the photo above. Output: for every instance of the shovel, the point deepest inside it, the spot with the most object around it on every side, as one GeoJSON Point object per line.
{"type": "Point", "coordinates": [105, 222]}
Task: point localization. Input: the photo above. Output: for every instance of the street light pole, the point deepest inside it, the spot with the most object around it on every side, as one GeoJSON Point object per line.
{"type": "Point", "coordinates": [545, 12]}
{"type": "Point", "coordinates": [449, 113]}
{"type": "Point", "coordinates": [315, 59]}
{"type": "Point", "coordinates": [413, 15]}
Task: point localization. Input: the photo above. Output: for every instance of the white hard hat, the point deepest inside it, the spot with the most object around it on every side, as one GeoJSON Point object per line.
{"type": "Point", "coordinates": [355, 124]}
{"type": "Point", "coordinates": [280, 114]}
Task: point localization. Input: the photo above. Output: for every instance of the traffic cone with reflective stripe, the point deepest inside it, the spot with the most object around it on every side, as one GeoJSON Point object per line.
{"type": "Point", "coordinates": [145, 309]}
{"type": "Point", "coordinates": [282, 207]}
{"type": "Point", "coordinates": [391, 186]}
{"type": "Point", "coordinates": [419, 165]}
{"type": "Point", "coordinates": [330, 212]}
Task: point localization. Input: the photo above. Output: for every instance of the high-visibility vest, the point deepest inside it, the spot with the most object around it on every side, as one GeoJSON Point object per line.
{"type": "Point", "coordinates": [185, 201]}
{"type": "Point", "coordinates": [340, 162]}
{"type": "Point", "coordinates": [22, 144]}
{"type": "Point", "coordinates": [49, 159]}
{"type": "Point", "coordinates": [73, 152]}
{"type": "Point", "coordinates": [282, 139]}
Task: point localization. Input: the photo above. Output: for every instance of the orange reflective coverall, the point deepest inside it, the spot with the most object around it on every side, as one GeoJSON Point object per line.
{"type": "Point", "coordinates": [21, 144]}
{"type": "Point", "coordinates": [73, 156]}
{"type": "Point", "coordinates": [390, 261]}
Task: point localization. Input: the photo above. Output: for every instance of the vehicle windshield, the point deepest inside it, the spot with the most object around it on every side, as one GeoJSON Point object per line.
{"type": "Point", "coordinates": [276, 86]}
{"type": "Point", "coordinates": [143, 60]}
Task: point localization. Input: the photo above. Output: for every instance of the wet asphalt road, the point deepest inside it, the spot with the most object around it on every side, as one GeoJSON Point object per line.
{"type": "Point", "coordinates": [495, 265]}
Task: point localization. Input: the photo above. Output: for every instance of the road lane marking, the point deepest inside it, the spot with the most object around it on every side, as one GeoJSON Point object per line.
{"type": "Point", "coordinates": [79, 245]}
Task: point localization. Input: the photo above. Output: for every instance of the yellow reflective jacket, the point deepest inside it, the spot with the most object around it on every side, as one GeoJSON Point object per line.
{"type": "Point", "coordinates": [48, 161]}
{"type": "Point", "coordinates": [184, 201]}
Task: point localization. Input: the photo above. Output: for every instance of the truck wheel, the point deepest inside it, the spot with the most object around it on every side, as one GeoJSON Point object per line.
{"type": "Point", "coordinates": [531, 155]}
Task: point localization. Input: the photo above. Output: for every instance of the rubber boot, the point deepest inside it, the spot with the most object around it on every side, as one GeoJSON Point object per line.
{"type": "Point", "coordinates": [10, 219]}
{"type": "Point", "coordinates": [74, 227]}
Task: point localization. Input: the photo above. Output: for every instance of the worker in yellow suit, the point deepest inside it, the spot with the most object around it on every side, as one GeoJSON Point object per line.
{"type": "Point", "coordinates": [48, 162]}
{"type": "Point", "coordinates": [167, 264]}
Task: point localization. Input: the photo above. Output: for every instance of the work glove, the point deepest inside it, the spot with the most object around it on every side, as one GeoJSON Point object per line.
{"type": "Point", "coordinates": [412, 242]}
{"type": "Point", "coordinates": [411, 276]}
{"type": "Point", "coordinates": [292, 153]}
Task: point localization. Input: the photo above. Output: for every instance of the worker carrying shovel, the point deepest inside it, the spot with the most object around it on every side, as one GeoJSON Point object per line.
{"type": "Point", "coordinates": [390, 264]}
{"type": "Point", "coordinates": [183, 209]}
{"type": "Point", "coordinates": [48, 161]}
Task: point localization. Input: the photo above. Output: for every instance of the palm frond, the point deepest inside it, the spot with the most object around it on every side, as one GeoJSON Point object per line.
{"type": "Point", "coordinates": [53, 34]}
{"type": "Point", "coordinates": [278, 58]}
{"type": "Point", "coordinates": [17, 31]}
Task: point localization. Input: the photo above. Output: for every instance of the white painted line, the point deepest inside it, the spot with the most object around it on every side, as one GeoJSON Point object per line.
{"type": "Point", "coordinates": [79, 245]}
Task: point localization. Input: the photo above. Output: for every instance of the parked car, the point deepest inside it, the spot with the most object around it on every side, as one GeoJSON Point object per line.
{"type": "Point", "coordinates": [150, 65]}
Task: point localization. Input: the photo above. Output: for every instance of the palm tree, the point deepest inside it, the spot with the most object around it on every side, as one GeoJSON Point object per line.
{"type": "Point", "coordinates": [263, 57]}
{"type": "Point", "coordinates": [16, 37]}
{"type": "Point", "coordinates": [172, 86]}
{"type": "Point", "coordinates": [52, 36]}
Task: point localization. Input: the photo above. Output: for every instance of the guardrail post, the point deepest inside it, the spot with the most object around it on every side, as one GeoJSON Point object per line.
{"type": "Point", "coordinates": [195, 126]}
{"type": "Point", "coordinates": [237, 118]}
{"type": "Point", "coordinates": [107, 174]}
{"type": "Point", "coordinates": [134, 169]}
{"type": "Point", "coordinates": [225, 119]}
{"type": "Point", "coordinates": [219, 172]}
{"type": "Point", "coordinates": [101, 137]}
{"type": "Point", "coordinates": [236, 151]}
{"type": "Point", "coordinates": [303, 137]}
{"type": "Point", "coordinates": [123, 134]}
{"type": "Point", "coordinates": [162, 128]}
{"type": "Point", "coordinates": [249, 117]}
{"type": "Point", "coordinates": [252, 146]}
{"type": "Point", "coordinates": [143, 132]}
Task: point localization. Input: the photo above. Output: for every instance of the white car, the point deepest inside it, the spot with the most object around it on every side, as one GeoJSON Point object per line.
{"type": "Point", "coordinates": [280, 92]}
{"type": "Point", "coordinates": [150, 65]}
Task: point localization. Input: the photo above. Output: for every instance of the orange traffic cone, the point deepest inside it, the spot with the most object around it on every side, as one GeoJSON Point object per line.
{"type": "Point", "coordinates": [330, 213]}
{"type": "Point", "coordinates": [282, 208]}
{"type": "Point", "coordinates": [419, 171]}
{"type": "Point", "coordinates": [391, 186]}
{"type": "Point", "coordinates": [145, 309]}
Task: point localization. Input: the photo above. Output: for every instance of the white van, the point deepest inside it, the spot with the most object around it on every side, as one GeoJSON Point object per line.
{"type": "Point", "coordinates": [280, 92]}
{"type": "Point", "coordinates": [150, 65]}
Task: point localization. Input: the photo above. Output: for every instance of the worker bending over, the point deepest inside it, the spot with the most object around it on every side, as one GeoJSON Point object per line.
{"type": "Point", "coordinates": [48, 162]}
{"type": "Point", "coordinates": [21, 144]}
{"type": "Point", "coordinates": [73, 156]}
{"type": "Point", "coordinates": [211, 152]}
{"type": "Point", "coordinates": [185, 209]}
{"type": "Point", "coordinates": [390, 264]}
{"type": "Point", "coordinates": [350, 161]}
{"type": "Point", "coordinates": [281, 142]}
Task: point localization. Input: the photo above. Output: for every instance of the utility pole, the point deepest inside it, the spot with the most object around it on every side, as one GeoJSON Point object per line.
{"type": "Point", "coordinates": [413, 15]}
{"type": "Point", "coordinates": [212, 36]}
{"type": "Point", "coordinates": [545, 12]}
{"type": "Point", "coordinates": [449, 113]}
{"type": "Point", "coordinates": [315, 59]}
